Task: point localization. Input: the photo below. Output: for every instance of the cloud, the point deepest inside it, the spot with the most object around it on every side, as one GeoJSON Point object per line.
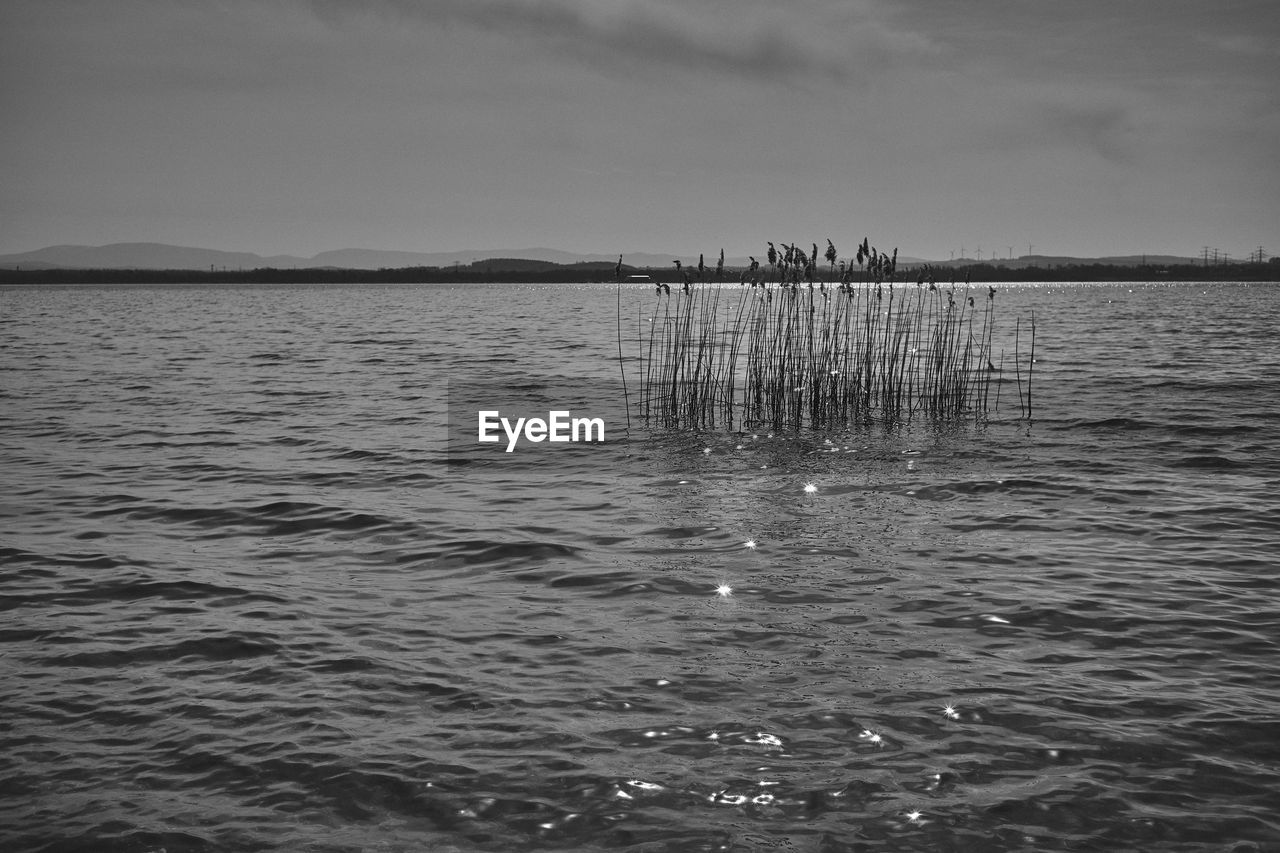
{"type": "Point", "coordinates": [815, 42]}
{"type": "Point", "coordinates": [1108, 130]}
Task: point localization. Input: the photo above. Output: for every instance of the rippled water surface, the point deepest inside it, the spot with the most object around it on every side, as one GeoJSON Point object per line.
{"type": "Point", "coordinates": [251, 603]}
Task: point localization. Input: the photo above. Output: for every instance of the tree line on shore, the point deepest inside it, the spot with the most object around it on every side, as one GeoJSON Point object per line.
{"type": "Point", "coordinates": [523, 272]}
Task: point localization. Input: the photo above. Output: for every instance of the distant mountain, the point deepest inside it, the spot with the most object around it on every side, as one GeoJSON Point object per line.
{"type": "Point", "coordinates": [143, 256]}
{"type": "Point", "coordinates": [163, 256]}
{"type": "Point", "coordinates": [1065, 261]}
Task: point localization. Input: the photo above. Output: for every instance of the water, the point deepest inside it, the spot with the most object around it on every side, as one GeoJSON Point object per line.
{"type": "Point", "coordinates": [251, 603]}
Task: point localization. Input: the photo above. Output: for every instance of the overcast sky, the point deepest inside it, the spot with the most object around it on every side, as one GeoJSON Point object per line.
{"type": "Point", "coordinates": [1090, 127]}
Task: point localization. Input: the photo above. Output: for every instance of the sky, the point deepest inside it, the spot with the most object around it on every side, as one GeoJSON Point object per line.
{"type": "Point", "coordinates": [948, 129]}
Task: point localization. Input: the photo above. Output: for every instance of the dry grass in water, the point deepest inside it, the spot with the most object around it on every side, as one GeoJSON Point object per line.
{"type": "Point", "coordinates": [797, 345]}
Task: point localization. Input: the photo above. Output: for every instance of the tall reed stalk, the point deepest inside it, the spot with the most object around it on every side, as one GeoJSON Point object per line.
{"type": "Point", "coordinates": [775, 351]}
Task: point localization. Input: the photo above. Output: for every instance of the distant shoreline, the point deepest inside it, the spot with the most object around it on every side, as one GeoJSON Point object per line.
{"type": "Point", "coordinates": [603, 273]}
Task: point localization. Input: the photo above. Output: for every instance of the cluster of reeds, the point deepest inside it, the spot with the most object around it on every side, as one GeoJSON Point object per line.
{"type": "Point", "coordinates": [798, 345]}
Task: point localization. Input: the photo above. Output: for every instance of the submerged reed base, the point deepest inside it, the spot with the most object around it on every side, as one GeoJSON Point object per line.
{"type": "Point", "coordinates": [783, 351]}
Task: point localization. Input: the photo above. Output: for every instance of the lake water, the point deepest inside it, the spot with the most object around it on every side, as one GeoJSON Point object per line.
{"type": "Point", "coordinates": [252, 601]}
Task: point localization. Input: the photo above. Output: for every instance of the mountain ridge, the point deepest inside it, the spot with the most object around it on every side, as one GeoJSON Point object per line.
{"type": "Point", "coordinates": [166, 256]}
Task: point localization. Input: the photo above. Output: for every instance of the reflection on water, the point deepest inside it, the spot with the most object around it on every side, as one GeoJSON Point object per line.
{"type": "Point", "coordinates": [252, 603]}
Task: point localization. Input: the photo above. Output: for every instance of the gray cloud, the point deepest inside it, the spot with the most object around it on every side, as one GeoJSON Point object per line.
{"type": "Point", "coordinates": [299, 125]}
{"type": "Point", "coordinates": [1108, 130]}
{"type": "Point", "coordinates": [742, 39]}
